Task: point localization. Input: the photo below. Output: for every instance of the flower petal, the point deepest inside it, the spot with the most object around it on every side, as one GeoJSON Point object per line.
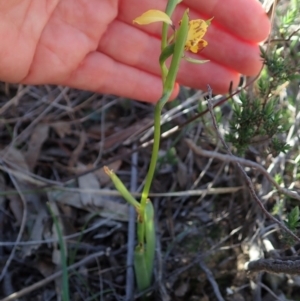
{"type": "Point", "coordinates": [197, 29]}
{"type": "Point", "coordinates": [197, 47]}
{"type": "Point", "coordinates": [151, 16]}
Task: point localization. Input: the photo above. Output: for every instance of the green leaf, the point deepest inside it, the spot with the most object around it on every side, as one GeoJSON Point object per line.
{"type": "Point", "coordinates": [166, 53]}
{"type": "Point", "coordinates": [143, 277]}
{"type": "Point", "coordinates": [293, 218]}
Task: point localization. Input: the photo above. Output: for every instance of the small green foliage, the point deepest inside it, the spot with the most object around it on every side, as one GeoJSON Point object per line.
{"type": "Point", "coordinates": [254, 122]}
{"type": "Point", "coordinates": [292, 221]}
{"type": "Point", "coordinates": [170, 157]}
{"type": "Point", "coordinates": [278, 179]}
{"type": "Point", "coordinates": [278, 208]}
{"type": "Point", "coordinates": [289, 17]}
{"type": "Point", "coordinates": [278, 146]}
{"type": "Point", "coordinates": [263, 114]}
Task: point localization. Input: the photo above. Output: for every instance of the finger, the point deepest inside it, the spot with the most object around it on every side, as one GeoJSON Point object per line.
{"type": "Point", "coordinates": [246, 19]}
{"type": "Point", "coordinates": [223, 48]}
{"type": "Point", "coordinates": [229, 50]}
{"type": "Point", "coordinates": [199, 76]}
{"type": "Point", "coordinates": [142, 51]}
{"type": "Point", "coordinates": [102, 74]}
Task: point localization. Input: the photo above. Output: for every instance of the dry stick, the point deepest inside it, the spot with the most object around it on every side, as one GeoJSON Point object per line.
{"type": "Point", "coordinates": [212, 280]}
{"type": "Point", "coordinates": [25, 133]}
{"type": "Point", "coordinates": [270, 292]}
{"type": "Point", "coordinates": [131, 231]}
{"type": "Point", "coordinates": [22, 227]}
{"type": "Point", "coordinates": [248, 180]}
{"type": "Point", "coordinates": [53, 240]}
{"type": "Point", "coordinates": [43, 282]}
{"type": "Point", "coordinates": [230, 158]}
{"type": "Point", "coordinates": [159, 276]}
{"type": "Point", "coordinates": [205, 255]}
{"type": "Point", "coordinates": [275, 266]}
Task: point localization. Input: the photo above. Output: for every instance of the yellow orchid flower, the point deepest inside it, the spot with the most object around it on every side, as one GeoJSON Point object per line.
{"type": "Point", "coordinates": [197, 28]}
{"type": "Point", "coordinates": [194, 41]}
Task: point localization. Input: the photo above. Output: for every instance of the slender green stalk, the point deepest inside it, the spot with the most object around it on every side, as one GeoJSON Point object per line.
{"type": "Point", "coordinates": [169, 11]}
{"type": "Point", "coordinates": [168, 88]}
{"type": "Point", "coordinates": [122, 189]}
{"type": "Point", "coordinates": [65, 284]}
{"type": "Point", "coordinates": [181, 37]}
{"type": "Point", "coordinates": [155, 149]}
{"type": "Point", "coordinates": [164, 38]}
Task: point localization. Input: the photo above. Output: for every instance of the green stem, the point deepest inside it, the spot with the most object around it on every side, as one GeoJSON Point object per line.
{"type": "Point", "coordinates": [65, 281]}
{"type": "Point", "coordinates": [169, 11]}
{"type": "Point", "coordinates": [164, 37]}
{"type": "Point", "coordinates": [168, 88]}
{"type": "Point", "coordinates": [155, 149]}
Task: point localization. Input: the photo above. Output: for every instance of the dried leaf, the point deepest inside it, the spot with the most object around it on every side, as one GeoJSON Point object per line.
{"type": "Point", "coordinates": [124, 133]}
{"type": "Point", "coordinates": [16, 207]}
{"type": "Point", "coordinates": [88, 181]}
{"type": "Point", "coordinates": [103, 205]}
{"type": "Point", "coordinates": [45, 268]}
{"type": "Point", "coordinates": [14, 158]}
{"type": "Point", "coordinates": [182, 289]}
{"type": "Point", "coordinates": [36, 233]}
{"type": "Point", "coordinates": [37, 139]}
{"type": "Point", "coordinates": [77, 151]}
{"type": "Point", "coordinates": [182, 174]}
{"type": "Point", "coordinates": [62, 128]}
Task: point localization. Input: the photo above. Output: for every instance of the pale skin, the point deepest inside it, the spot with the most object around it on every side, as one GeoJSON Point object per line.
{"type": "Point", "coordinates": [93, 44]}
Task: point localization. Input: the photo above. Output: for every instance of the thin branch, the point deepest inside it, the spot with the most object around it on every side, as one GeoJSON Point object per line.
{"type": "Point", "coordinates": [211, 279]}
{"type": "Point", "coordinates": [231, 158]}
{"type": "Point", "coordinates": [159, 271]}
{"type": "Point", "coordinates": [270, 291]}
{"type": "Point", "coordinates": [52, 277]}
{"type": "Point", "coordinates": [22, 227]}
{"type": "Point", "coordinates": [275, 266]}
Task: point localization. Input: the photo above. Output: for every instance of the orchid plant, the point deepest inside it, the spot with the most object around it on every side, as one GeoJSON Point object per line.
{"type": "Point", "coordinates": [188, 37]}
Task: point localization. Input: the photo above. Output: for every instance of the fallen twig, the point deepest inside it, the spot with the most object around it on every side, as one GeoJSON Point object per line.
{"type": "Point", "coordinates": [212, 280]}
{"type": "Point", "coordinates": [43, 282]}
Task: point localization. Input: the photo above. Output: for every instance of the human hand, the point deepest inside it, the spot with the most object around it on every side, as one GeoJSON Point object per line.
{"type": "Point", "coordinates": [93, 45]}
